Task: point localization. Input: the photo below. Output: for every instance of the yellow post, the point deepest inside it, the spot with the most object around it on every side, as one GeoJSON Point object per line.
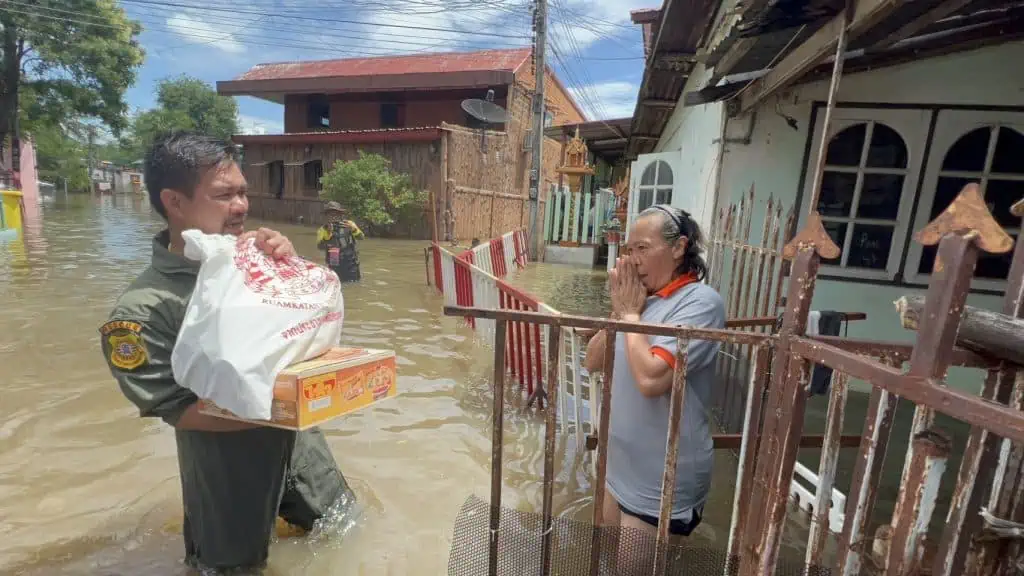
{"type": "Point", "coordinates": [12, 201]}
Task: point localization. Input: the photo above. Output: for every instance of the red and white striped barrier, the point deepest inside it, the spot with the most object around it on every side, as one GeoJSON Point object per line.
{"type": "Point", "coordinates": [474, 278]}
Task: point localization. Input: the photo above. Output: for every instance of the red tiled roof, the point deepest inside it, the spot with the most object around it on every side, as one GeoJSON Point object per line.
{"type": "Point", "coordinates": [482, 61]}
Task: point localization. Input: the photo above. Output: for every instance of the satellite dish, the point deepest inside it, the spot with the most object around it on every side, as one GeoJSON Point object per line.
{"type": "Point", "coordinates": [485, 110]}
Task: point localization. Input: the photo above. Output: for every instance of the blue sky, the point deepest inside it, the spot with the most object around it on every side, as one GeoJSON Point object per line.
{"type": "Point", "coordinates": [593, 46]}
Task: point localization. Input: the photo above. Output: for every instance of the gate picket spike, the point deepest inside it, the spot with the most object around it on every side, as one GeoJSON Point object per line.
{"type": "Point", "coordinates": [812, 234]}
{"type": "Point", "coordinates": [988, 474]}
{"type": "Point", "coordinates": [964, 229]}
{"type": "Point", "coordinates": [969, 216]}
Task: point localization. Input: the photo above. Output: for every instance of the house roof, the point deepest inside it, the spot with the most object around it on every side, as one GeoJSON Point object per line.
{"type": "Point", "coordinates": [481, 61]}
{"type": "Point", "coordinates": [445, 70]}
{"type": "Point", "coordinates": [758, 49]}
{"type": "Point", "coordinates": [676, 35]}
{"type": "Point", "coordinates": [648, 19]}
{"type": "Point", "coordinates": [605, 138]}
{"type": "Point", "coordinates": [378, 136]}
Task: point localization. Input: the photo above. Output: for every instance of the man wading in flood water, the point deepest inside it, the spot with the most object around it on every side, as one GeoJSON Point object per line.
{"type": "Point", "coordinates": [236, 477]}
{"type": "Point", "coordinates": [337, 238]}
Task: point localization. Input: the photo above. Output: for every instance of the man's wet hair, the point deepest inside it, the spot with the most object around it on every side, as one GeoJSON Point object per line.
{"type": "Point", "coordinates": [178, 161]}
{"type": "Point", "coordinates": [675, 224]}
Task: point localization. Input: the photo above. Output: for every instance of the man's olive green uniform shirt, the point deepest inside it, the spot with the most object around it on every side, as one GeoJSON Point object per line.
{"type": "Point", "coordinates": [232, 482]}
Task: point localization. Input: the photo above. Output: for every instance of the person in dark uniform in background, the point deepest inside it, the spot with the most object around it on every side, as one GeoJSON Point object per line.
{"type": "Point", "coordinates": [337, 238]}
{"type": "Point", "coordinates": [236, 477]}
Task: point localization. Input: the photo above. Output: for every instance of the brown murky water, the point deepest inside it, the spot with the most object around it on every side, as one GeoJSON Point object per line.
{"type": "Point", "coordinates": [88, 488]}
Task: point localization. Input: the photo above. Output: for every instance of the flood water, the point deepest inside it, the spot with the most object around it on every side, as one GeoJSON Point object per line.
{"type": "Point", "coordinates": [89, 488]}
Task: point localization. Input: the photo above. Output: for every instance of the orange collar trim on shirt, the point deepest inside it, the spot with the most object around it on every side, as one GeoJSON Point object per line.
{"type": "Point", "coordinates": [676, 284]}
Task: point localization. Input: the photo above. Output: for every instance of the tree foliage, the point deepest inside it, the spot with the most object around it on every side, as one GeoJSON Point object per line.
{"type": "Point", "coordinates": [185, 103]}
{"type": "Point", "coordinates": [383, 200]}
{"type": "Point", "coordinates": [61, 158]}
{"type": "Point", "coordinates": [74, 58]}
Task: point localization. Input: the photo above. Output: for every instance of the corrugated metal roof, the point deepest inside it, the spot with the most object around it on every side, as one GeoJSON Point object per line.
{"type": "Point", "coordinates": [480, 61]}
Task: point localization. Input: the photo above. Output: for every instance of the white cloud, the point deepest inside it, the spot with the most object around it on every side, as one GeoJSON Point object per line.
{"type": "Point", "coordinates": [607, 100]}
{"type": "Point", "coordinates": [256, 125]}
{"type": "Point", "coordinates": [195, 29]}
{"type": "Point", "coordinates": [433, 26]}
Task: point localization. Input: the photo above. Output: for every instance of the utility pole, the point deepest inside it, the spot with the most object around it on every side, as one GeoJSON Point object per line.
{"type": "Point", "coordinates": [540, 24]}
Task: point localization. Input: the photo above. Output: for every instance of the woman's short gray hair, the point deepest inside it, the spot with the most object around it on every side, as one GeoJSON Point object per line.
{"type": "Point", "coordinates": [675, 224]}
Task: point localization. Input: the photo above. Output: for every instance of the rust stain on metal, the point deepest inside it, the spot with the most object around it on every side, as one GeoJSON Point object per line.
{"type": "Point", "coordinates": [668, 481]}
{"type": "Point", "coordinates": [812, 234]}
{"type": "Point", "coordinates": [929, 451]}
{"type": "Point", "coordinates": [999, 464]}
{"type": "Point", "coordinates": [867, 471]}
{"type": "Point", "coordinates": [783, 425]}
{"type": "Point", "coordinates": [827, 473]}
{"type": "Point", "coordinates": [930, 392]}
{"type": "Point", "coordinates": [742, 514]}
{"type": "Point", "coordinates": [602, 450]}
{"type": "Point", "coordinates": [550, 423]}
{"type": "Point", "coordinates": [968, 214]}
{"type": "Point", "coordinates": [497, 430]}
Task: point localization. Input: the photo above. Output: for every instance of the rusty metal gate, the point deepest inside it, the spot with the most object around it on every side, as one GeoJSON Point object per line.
{"type": "Point", "coordinates": [983, 529]}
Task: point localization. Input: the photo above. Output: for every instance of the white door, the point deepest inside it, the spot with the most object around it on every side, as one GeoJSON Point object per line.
{"type": "Point", "coordinates": [653, 179]}
{"type": "Point", "coordinates": [984, 147]}
{"type": "Point", "coordinates": [872, 164]}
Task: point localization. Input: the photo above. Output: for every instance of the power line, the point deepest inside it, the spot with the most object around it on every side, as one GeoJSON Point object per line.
{"type": "Point", "coordinates": [243, 39]}
{"type": "Point", "coordinates": [233, 22]}
{"type": "Point", "coordinates": [309, 18]}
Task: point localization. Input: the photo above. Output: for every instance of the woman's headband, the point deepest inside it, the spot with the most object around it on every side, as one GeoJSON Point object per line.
{"type": "Point", "coordinates": [675, 220]}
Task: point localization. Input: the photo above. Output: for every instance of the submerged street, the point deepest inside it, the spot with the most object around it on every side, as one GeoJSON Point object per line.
{"type": "Point", "coordinates": [89, 488]}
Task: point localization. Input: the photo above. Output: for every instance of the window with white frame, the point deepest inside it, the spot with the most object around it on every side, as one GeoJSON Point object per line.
{"type": "Point", "coordinates": [874, 161]}
{"type": "Point", "coordinates": [870, 175]}
{"type": "Point", "coordinates": [861, 190]}
{"type": "Point", "coordinates": [655, 186]}
{"type": "Point", "coordinates": [981, 147]}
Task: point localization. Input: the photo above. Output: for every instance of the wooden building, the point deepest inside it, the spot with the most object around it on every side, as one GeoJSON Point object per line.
{"type": "Point", "coordinates": [408, 109]}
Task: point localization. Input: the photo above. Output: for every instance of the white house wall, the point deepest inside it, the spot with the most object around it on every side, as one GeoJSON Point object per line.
{"type": "Point", "coordinates": [694, 132]}
{"type": "Point", "coordinates": [775, 158]}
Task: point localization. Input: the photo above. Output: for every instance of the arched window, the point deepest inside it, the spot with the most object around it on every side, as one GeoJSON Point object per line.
{"type": "Point", "coordinates": [862, 189]}
{"type": "Point", "coordinates": [991, 157]}
{"type": "Point", "coordinates": [655, 186]}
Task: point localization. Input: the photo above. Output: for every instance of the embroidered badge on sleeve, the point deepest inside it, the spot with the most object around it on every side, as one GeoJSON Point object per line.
{"type": "Point", "coordinates": [124, 342]}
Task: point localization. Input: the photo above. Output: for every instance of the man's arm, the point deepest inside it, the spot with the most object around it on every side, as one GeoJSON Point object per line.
{"type": "Point", "coordinates": [356, 232]}
{"type": "Point", "coordinates": [652, 359]}
{"type": "Point", "coordinates": [139, 357]}
{"type": "Point", "coordinates": [323, 234]}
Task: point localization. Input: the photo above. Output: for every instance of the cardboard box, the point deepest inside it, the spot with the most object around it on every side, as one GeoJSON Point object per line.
{"type": "Point", "coordinates": [336, 383]}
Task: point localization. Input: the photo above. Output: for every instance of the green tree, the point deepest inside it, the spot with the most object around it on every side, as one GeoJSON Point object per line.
{"type": "Point", "coordinates": [377, 197]}
{"type": "Point", "coordinates": [60, 158]}
{"type": "Point", "coordinates": [76, 58]}
{"type": "Point", "coordinates": [185, 103]}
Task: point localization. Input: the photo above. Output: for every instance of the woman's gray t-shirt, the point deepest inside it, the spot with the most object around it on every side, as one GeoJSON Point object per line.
{"type": "Point", "coordinates": [639, 425]}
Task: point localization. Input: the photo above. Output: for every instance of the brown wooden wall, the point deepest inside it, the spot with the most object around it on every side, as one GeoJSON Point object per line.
{"type": "Point", "coordinates": [420, 160]}
{"type": "Point", "coordinates": [361, 111]}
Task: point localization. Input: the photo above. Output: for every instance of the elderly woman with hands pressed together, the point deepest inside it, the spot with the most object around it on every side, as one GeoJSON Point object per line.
{"type": "Point", "coordinates": [659, 282]}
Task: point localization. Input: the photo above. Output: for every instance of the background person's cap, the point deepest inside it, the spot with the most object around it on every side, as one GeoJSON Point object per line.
{"type": "Point", "coordinates": [333, 207]}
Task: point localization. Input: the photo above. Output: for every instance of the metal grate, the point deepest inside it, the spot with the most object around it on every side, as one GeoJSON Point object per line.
{"type": "Point", "coordinates": [520, 545]}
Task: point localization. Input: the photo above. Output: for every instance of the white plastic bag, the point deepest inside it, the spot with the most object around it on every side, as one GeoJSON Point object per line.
{"type": "Point", "coordinates": [250, 316]}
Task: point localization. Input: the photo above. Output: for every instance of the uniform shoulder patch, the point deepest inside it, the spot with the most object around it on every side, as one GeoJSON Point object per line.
{"type": "Point", "coordinates": [123, 340]}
